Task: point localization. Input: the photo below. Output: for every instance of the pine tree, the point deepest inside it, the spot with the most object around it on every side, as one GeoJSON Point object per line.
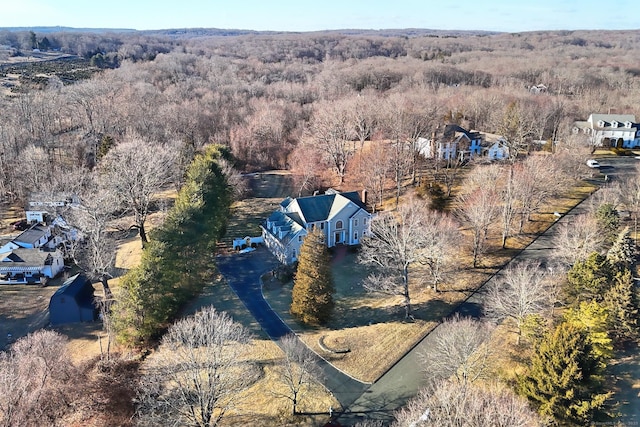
{"type": "Point", "coordinates": [621, 301]}
{"type": "Point", "coordinates": [313, 285]}
{"type": "Point", "coordinates": [608, 220]}
{"type": "Point", "coordinates": [589, 279]}
{"type": "Point", "coordinates": [593, 318]}
{"type": "Point", "coordinates": [563, 376]}
{"type": "Point", "coordinates": [623, 251]}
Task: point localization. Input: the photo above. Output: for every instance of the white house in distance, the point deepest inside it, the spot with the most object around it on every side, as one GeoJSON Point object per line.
{"type": "Point", "coordinates": [610, 130]}
{"type": "Point", "coordinates": [455, 142]}
{"type": "Point", "coordinates": [342, 217]}
{"type": "Point", "coordinates": [495, 147]}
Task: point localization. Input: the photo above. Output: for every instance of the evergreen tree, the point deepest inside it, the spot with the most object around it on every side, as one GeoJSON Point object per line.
{"type": "Point", "coordinates": [593, 318]}
{"type": "Point", "coordinates": [589, 279]}
{"type": "Point", "coordinates": [563, 376]}
{"type": "Point", "coordinates": [176, 262]}
{"type": "Point", "coordinates": [608, 220]}
{"type": "Point", "coordinates": [623, 251]}
{"type": "Point", "coordinates": [621, 301]}
{"type": "Point", "coordinates": [313, 285]}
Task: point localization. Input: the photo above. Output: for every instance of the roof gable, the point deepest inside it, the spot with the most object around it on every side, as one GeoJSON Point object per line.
{"type": "Point", "coordinates": [76, 287]}
{"type": "Point", "coordinates": [26, 257]}
{"type": "Point", "coordinates": [315, 208]}
{"type": "Point", "coordinates": [594, 119]}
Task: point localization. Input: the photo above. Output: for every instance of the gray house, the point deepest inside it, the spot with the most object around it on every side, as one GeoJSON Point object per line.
{"type": "Point", "coordinates": [73, 302]}
{"type": "Point", "coordinates": [342, 217]}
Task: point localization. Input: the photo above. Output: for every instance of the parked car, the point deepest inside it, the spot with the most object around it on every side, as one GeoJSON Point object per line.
{"type": "Point", "coordinates": [20, 225]}
{"type": "Point", "coordinates": [593, 163]}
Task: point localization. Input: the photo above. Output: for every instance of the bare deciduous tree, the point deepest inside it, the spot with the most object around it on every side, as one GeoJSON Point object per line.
{"type": "Point", "coordinates": [38, 383]}
{"type": "Point", "coordinates": [198, 374]}
{"type": "Point", "coordinates": [577, 239]}
{"type": "Point", "coordinates": [441, 233]}
{"type": "Point", "coordinates": [298, 371]}
{"type": "Point", "coordinates": [459, 350]}
{"type": "Point", "coordinates": [451, 404]}
{"type": "Point", "coordinates": [307, 168]}
{"type": "Point", "coordinates": [477, 210]}
{"type": "Point", "coordinates": [375, 167]}
{"type": "Point", "coordinates": [136, 171]}
{"type": "Point", "coordinates": [331, 132]}
{"type": "Point", "coordinates": [522, 290]}
{"type": "Point", "coordinates": [398, 242]}
{"type": "Point", "coordinates": [95, 252]}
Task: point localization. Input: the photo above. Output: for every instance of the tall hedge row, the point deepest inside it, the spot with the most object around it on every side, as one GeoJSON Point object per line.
{"type": "Point", "coordinates": [175, 263]}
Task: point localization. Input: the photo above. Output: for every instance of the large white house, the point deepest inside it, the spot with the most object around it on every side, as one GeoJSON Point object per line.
{"type": "Point", "coordinates": [610, 130]}
{"type": "Point", "coordinates": [342, 217]}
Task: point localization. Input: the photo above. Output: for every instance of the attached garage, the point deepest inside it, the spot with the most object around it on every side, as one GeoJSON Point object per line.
{"type": "Point", "coordinates": [73, 302]}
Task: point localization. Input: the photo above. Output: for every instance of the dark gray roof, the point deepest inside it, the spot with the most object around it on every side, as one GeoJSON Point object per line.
{"type": "Point", "coordinates": [451, 129]}
{"type": "Point", "coordinates": [316, 208]}
{"type": "Point", "coordinates": [77, 287]}
{"type": "Point", "coordinates": [31, 235]}
{"type": "Point", "coordinates": [25, 257]}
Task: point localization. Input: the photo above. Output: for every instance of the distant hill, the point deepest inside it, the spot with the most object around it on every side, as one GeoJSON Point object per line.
{"type": "Point", "coordinates": [220, 32]}
{"type": "Point", "coordinates": [59, 29]}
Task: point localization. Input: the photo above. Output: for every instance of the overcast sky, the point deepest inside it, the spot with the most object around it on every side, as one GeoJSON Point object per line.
{"type": "Point", "coordinates": [305, 15]}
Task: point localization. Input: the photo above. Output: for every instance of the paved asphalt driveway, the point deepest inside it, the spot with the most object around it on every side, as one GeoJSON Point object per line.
{"type": "Point", "coordinates": [243, 272]}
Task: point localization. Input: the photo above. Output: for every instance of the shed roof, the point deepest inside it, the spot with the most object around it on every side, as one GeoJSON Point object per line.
{"type": "Point", "coordinates": [74, 286]}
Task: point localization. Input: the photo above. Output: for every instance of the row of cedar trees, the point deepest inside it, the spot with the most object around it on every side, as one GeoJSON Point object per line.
{"type": "Point", "coordinates": [177, 258]}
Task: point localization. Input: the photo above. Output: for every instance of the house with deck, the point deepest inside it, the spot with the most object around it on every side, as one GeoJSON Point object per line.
{"type": "Point", "coordinates": [29, 265]}
{"type": "Point", "coordinates": [342, 217]}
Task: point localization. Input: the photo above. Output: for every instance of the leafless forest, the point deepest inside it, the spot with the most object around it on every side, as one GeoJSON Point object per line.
{"type": "Point", "coordinates": [337, 109]}
{"type": "Point", "coordinates": [283, 100]}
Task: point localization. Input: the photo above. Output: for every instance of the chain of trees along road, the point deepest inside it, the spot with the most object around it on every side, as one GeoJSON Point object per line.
{"type": "Point", "coordinates": [176, 262]}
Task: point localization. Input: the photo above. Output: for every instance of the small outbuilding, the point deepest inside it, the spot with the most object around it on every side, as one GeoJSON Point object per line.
{"type": "Point", "coordinates": [73, 302]}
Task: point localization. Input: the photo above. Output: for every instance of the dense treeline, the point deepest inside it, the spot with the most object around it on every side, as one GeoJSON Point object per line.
{"type": "Point", "coordinates": [265, 96]}
{"type": "Point", "coordinates": [336, 109]}
{"type": "Point", "coordinates": [175, 263]}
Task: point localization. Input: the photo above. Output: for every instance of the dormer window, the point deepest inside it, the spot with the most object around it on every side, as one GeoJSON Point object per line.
{"type": "Point", "coordinates": [627, 125]}
{"type": "Point", "coordinates": [614, 124]}
{"type": "Point", "coordinates": [600, 123]}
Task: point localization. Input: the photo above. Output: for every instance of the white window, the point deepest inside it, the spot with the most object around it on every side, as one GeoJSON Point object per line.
{"type": "Point", "coordinates": [338, 225]}
{"type": "Point", "coordinates": [299, 238]}
{"type": "Point", "coordinates": [355, 222]}
{"type": "Point", "coordinates": [355, 236]}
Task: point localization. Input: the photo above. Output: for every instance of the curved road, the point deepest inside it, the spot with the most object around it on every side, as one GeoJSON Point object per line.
{"type": "Point", "coordinates": [243, 272]}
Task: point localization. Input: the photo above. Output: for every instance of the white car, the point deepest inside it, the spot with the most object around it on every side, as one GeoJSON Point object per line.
{"type": "Point", "coordinates": [593, 163]}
